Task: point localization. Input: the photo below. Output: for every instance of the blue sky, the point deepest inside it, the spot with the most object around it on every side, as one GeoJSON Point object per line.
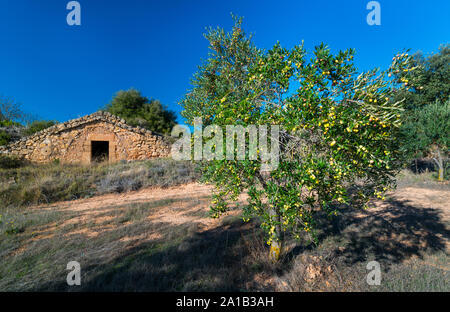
{"type": "Point", "coordinates": [61, 72]}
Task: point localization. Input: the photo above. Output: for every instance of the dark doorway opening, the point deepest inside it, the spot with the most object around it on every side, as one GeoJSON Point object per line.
{"type": "Point", "coordinates": [99, 151]}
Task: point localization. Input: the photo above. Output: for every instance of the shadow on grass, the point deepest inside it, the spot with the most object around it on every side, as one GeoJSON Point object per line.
{"type": "Point", "coordinates": [187, 259]}
{"type": "Point", "coordinates": [201, 261]}
{"type": "Point", "coordinates": [390, 234]}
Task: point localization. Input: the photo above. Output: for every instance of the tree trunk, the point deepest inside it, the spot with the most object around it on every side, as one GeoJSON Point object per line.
{"type": "Point", "coordinates": [440, 164]}
{"type": "Point", "coordinates": [275, 250]}
{"type": "Point", "coordinates": [277, 239]}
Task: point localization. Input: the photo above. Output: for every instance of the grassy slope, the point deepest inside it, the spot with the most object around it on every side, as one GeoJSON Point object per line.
{"type": "Point", "coordinates": [168, 243]}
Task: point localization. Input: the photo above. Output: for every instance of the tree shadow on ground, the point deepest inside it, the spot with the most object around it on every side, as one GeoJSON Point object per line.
{"type": "Point", "coordinates": [390, 233]}
{"type": "Point", "coordinates": [192, 259]}
{"type": "Point", "coordinates": [208, 260]}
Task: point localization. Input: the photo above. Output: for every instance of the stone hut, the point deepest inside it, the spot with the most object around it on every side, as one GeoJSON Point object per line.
{"type": "Point", "coordinates": [95, 137]}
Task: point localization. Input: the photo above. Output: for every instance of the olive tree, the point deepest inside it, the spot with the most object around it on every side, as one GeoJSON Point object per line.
{"type": "Point", "coordinates": [337, 138]}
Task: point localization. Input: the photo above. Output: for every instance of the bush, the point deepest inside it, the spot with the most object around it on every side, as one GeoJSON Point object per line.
{"type": "Point", "coordinates": [38, 125]}
{"type": "Point", "coordinates": [8, 162]}
{"type": "Point", "coordinates": [5, 137]}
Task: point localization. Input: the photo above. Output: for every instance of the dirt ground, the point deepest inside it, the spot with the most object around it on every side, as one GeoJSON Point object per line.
{"type": "Point", "coordinates": [426, 198]}
{"type": "Point", "coordinates": [93, 210]}
{"type": "Point", "coordinates": [406, 199]}
{"type": "Point", "coordinates": [167, 233]}
{"type": "Point", "coordinates": [176, 211]}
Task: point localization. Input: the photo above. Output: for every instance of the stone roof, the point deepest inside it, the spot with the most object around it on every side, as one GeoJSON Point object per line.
{"type": "Point", "coordinates": [73, 123]}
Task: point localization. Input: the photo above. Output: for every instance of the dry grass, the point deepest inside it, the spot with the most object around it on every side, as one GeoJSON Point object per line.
{"type": "Point", "coordinates": [47, 183]}
{"type": "Point", "coordinates": [162, 239]}
{"type": "Point", "coordinates": [427, 179]}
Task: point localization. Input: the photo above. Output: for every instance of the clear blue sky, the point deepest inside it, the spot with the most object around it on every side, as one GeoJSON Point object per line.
{"type": "Point", "coordinates": [61, 72]}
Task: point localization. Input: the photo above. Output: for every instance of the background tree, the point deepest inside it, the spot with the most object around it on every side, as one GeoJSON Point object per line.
{"type": "Point", "coordinates": [339, 129]}
{"type": "Point", "coordinates": [426, 132]}
{"type": "Point", "coordinates": [420, 137]}
{"type": "Point", "coordinates": [11, 114]}
{"type": "Point", "coordinates": [138, 110]}
{"type": "Point", "coordinates": [38, 125]}
{"type": "Point", "coordinates": [11, 111]}
{"type": "Point", "coordinates": [433, 79]}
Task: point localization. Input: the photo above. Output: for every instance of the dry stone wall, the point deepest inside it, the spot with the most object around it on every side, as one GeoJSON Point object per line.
{"type": "Point", "coordinates": [71, 141]}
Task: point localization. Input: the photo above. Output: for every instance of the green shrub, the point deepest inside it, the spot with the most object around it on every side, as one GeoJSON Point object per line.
{"type": "Point", "coordinates": [8, 162]}
{"type": "Point", "coordinates": [5, 137]}
{"type": "Point", "coordinates": [38, 125]}
{"type": "Point", "coordinates": [13, 228]}
{"type": "Point", "coordinates": [9, 123]}
{"type": "Point", "coordinates": [447, 171]}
